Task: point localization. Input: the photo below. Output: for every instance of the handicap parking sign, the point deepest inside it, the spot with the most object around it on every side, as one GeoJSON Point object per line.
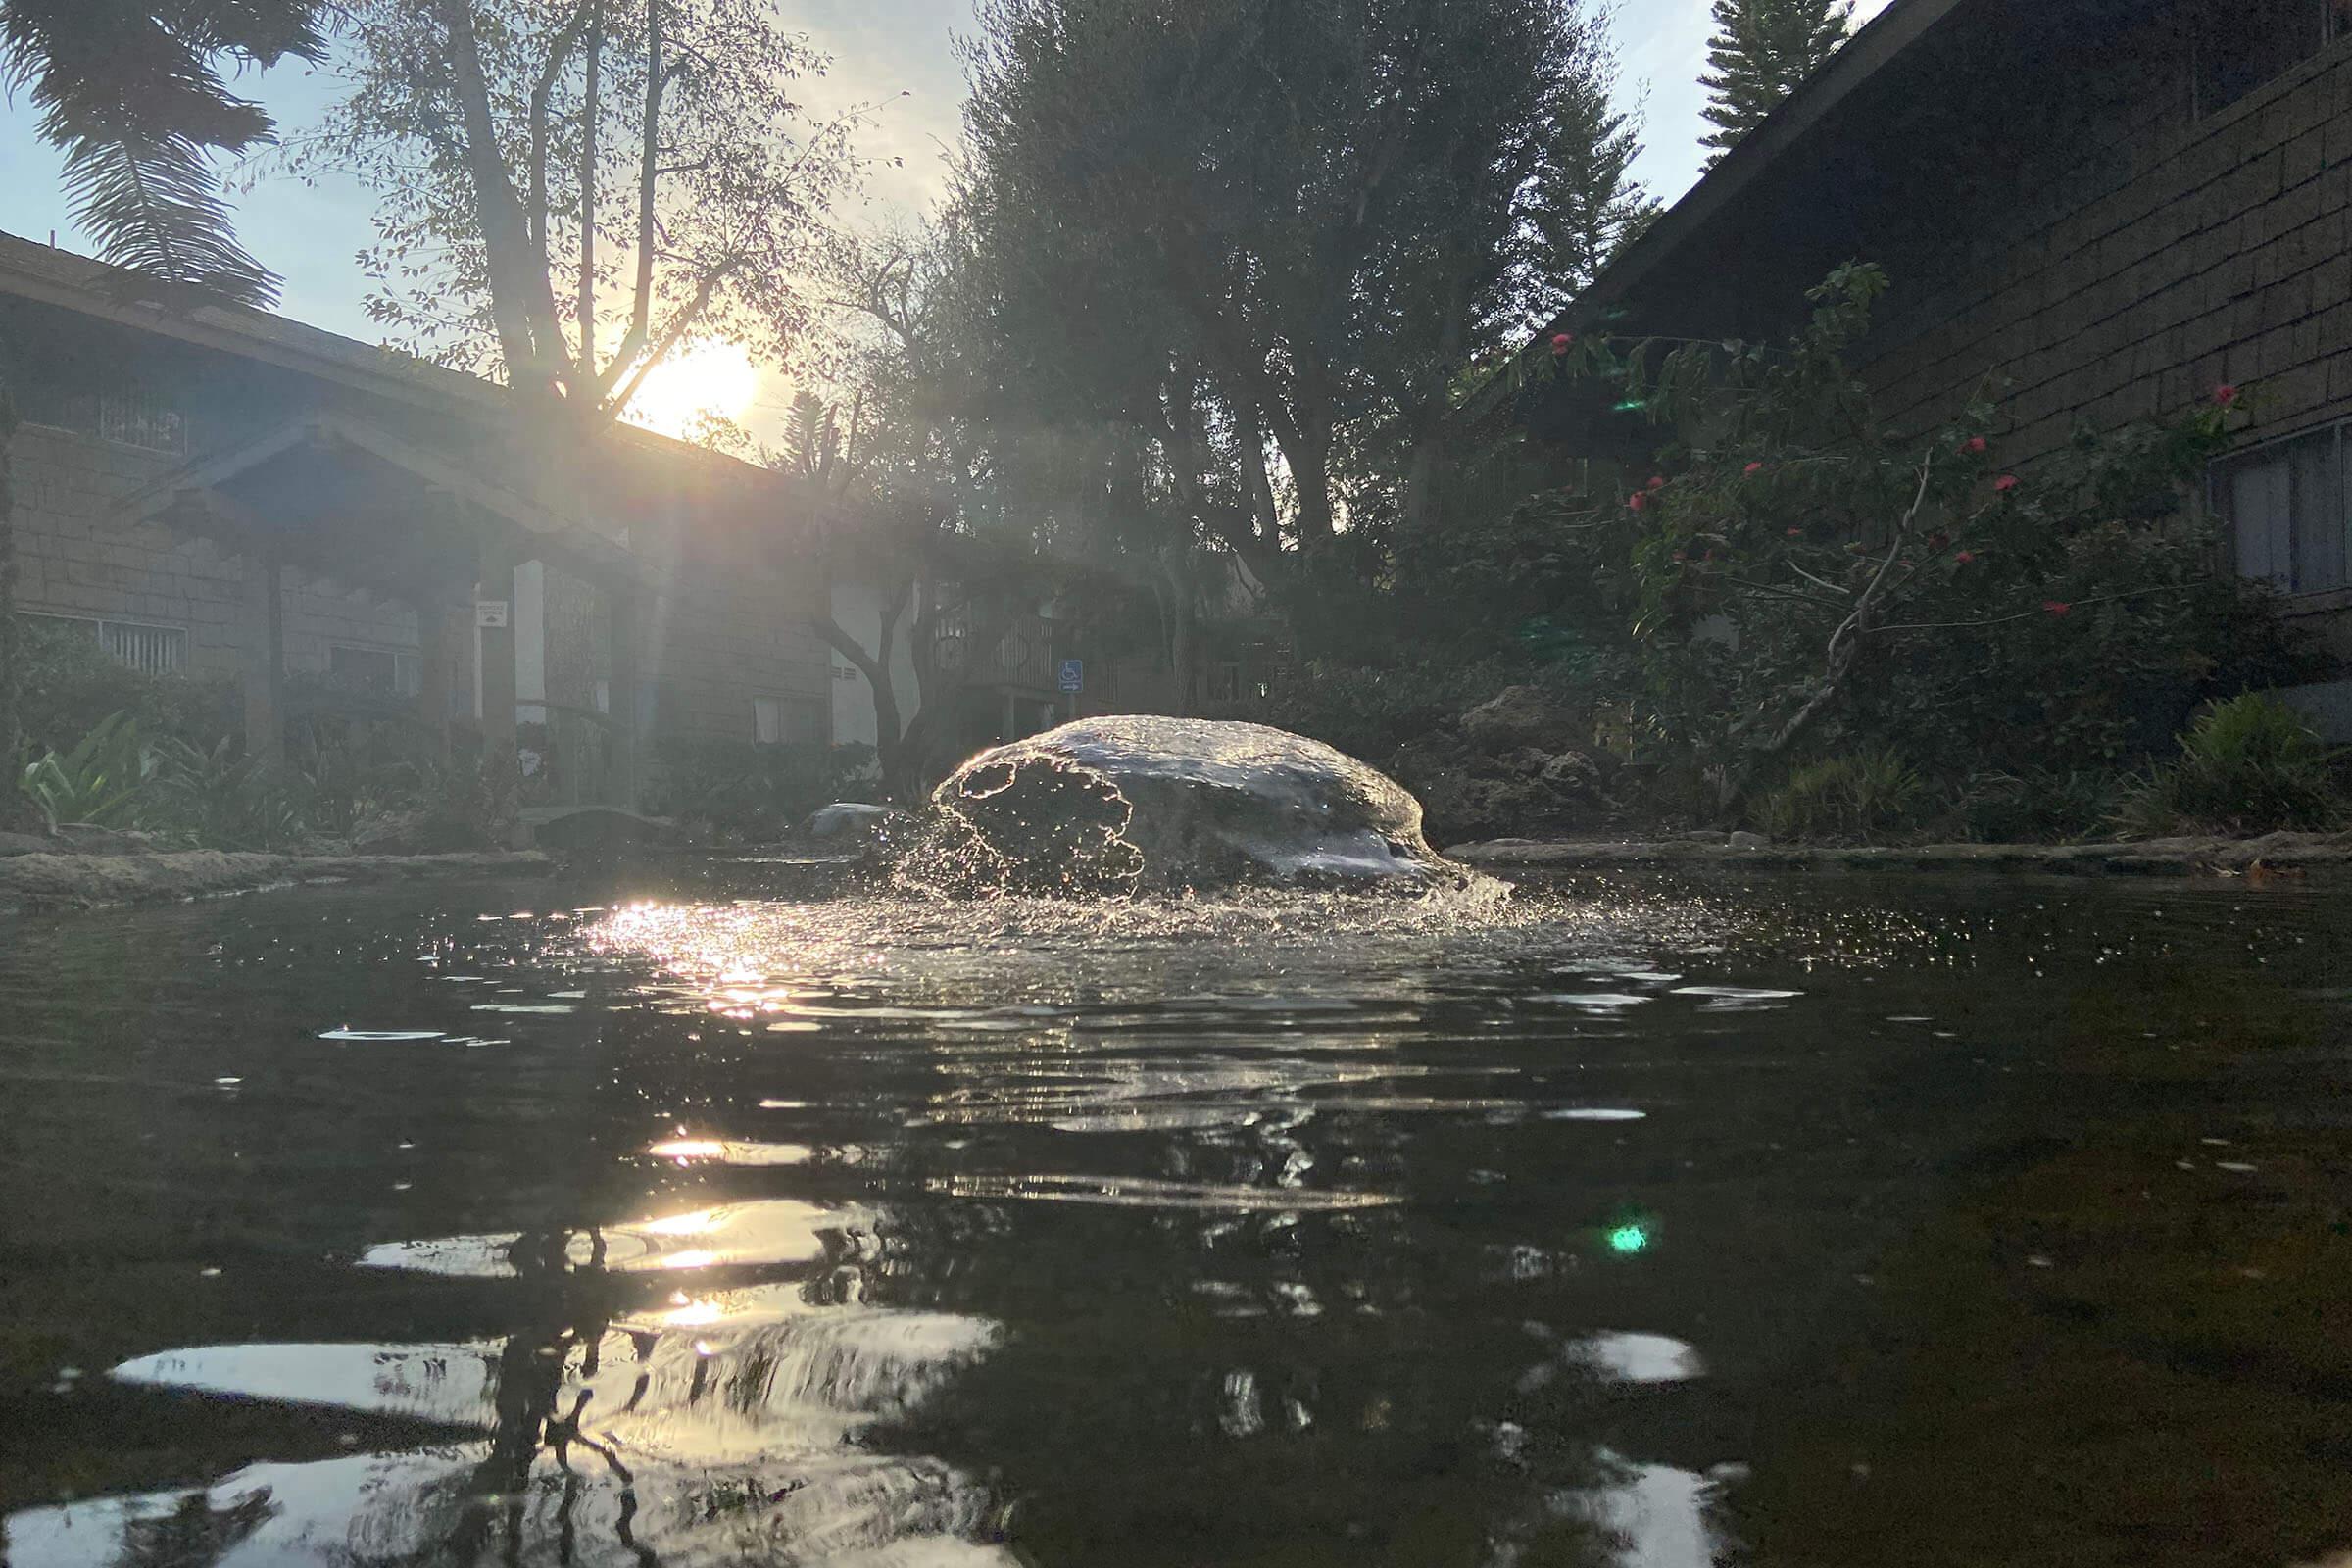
{"type": "Point", "coordinates": [1073, 674]}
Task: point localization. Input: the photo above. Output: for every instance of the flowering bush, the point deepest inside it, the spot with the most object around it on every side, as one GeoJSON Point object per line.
{"type": "Point", "coordinates": [1802, 580]}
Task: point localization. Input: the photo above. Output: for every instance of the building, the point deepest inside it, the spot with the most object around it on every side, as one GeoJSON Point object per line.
{"type": "Point", "coordinates": [346, 531]}
{"type": "Point", "coordinates": [2101, 209]}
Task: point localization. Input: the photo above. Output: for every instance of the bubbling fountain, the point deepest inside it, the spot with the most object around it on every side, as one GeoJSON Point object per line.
{"type": "Point", "coordinates": [1170, 805]}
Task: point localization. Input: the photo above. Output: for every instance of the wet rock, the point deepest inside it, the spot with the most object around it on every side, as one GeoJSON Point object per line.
{"type": "Point", "coordinates": [596, 827]}
{"type": "Point", "coordinates": [1519, 717]}
{"type": "Point", "coordinates": [1471, 792]}
{"type": "Point", "coordinates": [1104, 804]}
{"type": "Point", "coordinates": [1574, 773]}
{"type": "Point", "coordinates": [1749, 840]}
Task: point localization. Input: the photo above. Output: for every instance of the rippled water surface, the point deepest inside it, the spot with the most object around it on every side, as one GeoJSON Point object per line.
{"type": "Point", "coordinates": [1810, 1222]}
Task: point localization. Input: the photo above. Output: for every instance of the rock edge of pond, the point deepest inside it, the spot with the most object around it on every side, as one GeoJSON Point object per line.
{"type": "Point", "coordinates": [49, 881]}
{"type": "Point", "coordinates": [2282, 855]}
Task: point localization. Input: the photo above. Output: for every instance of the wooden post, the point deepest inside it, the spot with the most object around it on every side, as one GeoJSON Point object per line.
{"type": "Point", "coordinates": [264, 653]}
{"type": "Point", "coordinates": [628, 652]}
{"type": "Point", "coordinates": [434, 668]}
{"type": "Point", "coordinates": [497, 586]}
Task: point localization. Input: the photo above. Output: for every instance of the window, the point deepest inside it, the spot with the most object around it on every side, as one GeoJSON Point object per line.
{"type": "Point", "coordinates": [788, 721]}
{"type": "Point", "coordinates": [2288, 511]}
{"type": "Point", "coordinates": [125, 415]}
{"type": "Point", "coordinates": [2241, 44]}
{"type": "Point", "coordinates": [148, 648]}
{"type": "Point", "coordinates": [382, 671]}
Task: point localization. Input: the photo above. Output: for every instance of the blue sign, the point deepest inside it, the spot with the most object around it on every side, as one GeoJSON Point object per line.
{"type": "Point", "coordinates": [1073, 674]}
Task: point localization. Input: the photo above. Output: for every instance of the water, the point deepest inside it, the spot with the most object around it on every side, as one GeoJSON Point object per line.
{"type": "Point", "coordinates": [1821, 1222]}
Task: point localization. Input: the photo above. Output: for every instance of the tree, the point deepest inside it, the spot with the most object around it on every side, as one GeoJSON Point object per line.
{"type": "Point", "coordinates": [1269, 237]}
{"type": "Point", "coordinates": [571, 189]}
{"type": "Point", "coordinates": [947, 489]}
{"type": "Point", "coordinates": [132, 95]}
{"type": "Point", "coordinates": [1762, 50]}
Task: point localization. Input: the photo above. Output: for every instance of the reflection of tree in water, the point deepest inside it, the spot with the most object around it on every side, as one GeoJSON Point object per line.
{"type": "Point", "coordinates": [194, 1535]}
{"type": "Point", "coordinates": [570, 1309]}
{"type": "Point", "coordinates": [1189, 1387]}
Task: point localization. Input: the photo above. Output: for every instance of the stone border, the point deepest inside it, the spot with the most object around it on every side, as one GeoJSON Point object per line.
{"type": "Point", "coordinates": [2286, 855]}
{"type": "Point", "coordinates": [30, 882]}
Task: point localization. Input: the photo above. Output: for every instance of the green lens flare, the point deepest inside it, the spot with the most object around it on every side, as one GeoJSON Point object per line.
{"type": "Point", "coordinates": [1628, 1238]}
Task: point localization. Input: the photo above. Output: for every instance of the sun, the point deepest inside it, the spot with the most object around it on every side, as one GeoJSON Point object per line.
{"type": "Point", "coordinates": [706, 379]}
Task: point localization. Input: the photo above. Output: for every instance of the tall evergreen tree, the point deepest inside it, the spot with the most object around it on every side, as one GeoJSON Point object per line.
{"type": "Point", "coordinates": [1762, 49]}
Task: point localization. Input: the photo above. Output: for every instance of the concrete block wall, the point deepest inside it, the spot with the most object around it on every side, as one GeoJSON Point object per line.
{"type": "Point", "coordinates": [733, 630]}
{"type": "Point", "coordinates": [73, 564]}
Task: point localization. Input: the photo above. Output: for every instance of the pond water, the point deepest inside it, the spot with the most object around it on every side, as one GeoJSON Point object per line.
{"type": "Point", "coordinates": [1820, 1222]}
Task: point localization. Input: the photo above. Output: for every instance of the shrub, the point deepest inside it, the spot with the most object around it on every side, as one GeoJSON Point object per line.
{"type": "Point", "coordinates": [218, 798]}
{"type": "Point", "coordinates": [749, 791]}
{"type": "Point", "coordinates": [104, 780]}
{"type": "Point", "coordinates": [2036, 804]}
{"type": "Point", "coordinates": [1369, 712]}
{"type": "Point", "coordinates": [1792, 576]}
{"type": "Point", "coordinates": [2252, 765]}
{"type": "Point", "coordinates": [1858, 797]}
{"type": "Point", "coordinates": [70, 685]}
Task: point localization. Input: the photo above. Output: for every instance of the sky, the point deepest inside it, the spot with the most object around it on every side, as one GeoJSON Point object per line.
{"type": "Point", "coordinates": [881, 49]}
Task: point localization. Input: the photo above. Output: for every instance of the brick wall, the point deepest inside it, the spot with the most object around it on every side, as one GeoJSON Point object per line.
{"type": "Point", "coordinates": [2181, 254]}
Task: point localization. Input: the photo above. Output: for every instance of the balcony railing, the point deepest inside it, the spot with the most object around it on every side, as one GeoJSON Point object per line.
{"type": "Point", "coordinates": [1023, 656]}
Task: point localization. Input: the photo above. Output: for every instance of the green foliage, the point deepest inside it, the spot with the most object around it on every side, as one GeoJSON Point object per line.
{"type": "Point", "coordinates": [2036, 806]}
{"type": "Point", "coordinates": [1797, 580]}
{"type": "Point", "coordinates": [1366, 710]}
{"type": "Point", "coordinates": [1864, 796]}
{"type": "Point", "coordinates": [104, 781]}
{"type": "Point", "coordinates": [218, 798]}
{"type": "Point", "coordinates": [753, 792]}
{"type": "Point", "coordinates": [71, 684]}
{"type": "Point", "coordinates": [2252, 765]}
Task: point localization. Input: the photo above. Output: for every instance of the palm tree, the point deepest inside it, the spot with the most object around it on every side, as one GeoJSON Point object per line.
{"type": "Point", "coordinates": [132, 92]}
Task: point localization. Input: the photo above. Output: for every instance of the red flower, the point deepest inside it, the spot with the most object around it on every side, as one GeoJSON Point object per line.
{"type": "Point", "coordinates": [1655, 483]}
{"type": "Point", "coordinates": [1562, 342]}
{"type": "Point", "coordinates": [2225, 394]}
{"type": "Point", "coordinates": [1753, 467]}
{"type": "Point", "coordinates": [2055, 607]}
{"type": "Point", "coordinates": [1637, 499]}
{"type": "Point", "coordinates": [1797, 533]}
{"type": "Point", "coordinates": [1965, 558]}
{"type": "Point", "coordinates": [2005, 483]}
{"type": "Point", "coordinates": [1973, 443]}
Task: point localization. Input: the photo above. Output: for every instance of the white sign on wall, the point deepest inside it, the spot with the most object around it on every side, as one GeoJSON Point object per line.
{"type": "Point", "coordinates": [490, 612]}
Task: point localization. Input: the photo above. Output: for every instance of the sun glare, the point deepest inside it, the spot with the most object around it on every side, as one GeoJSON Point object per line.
{"type": "Point", "coordinates": [707, 378]}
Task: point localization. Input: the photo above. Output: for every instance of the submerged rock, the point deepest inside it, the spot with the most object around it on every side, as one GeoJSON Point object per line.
{"type": "Point", "coordinates": [1111, 804]}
